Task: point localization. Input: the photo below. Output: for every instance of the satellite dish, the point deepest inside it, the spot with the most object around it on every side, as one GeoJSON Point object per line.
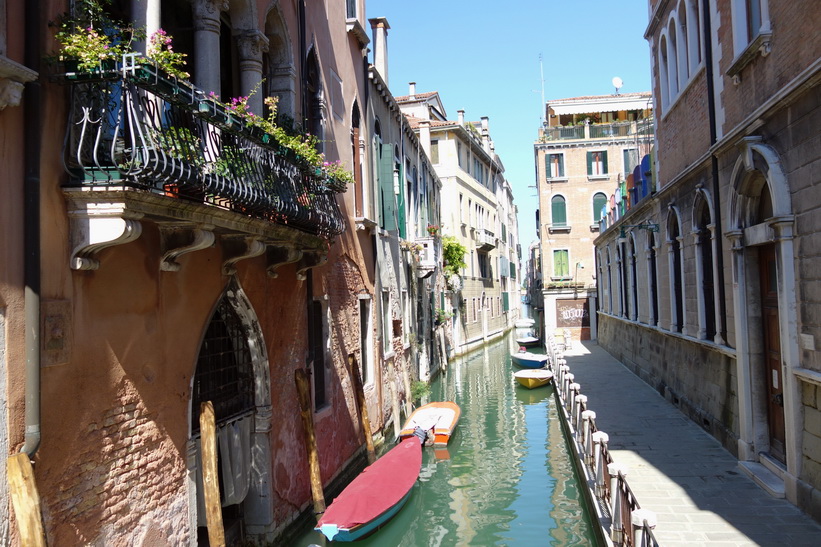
{"type": "Point", "coordinates": [617, 83]}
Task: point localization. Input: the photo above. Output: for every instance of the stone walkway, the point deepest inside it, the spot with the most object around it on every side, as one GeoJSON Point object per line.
{"type": "Point", "coordinates": [695, 487]}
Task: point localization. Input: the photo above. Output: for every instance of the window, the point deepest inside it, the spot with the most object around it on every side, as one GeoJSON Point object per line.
{"type": "Point", "coordinates": [753, 18]}
{"type": "Point", "coordinates": [459, 153]}
{"type": "Point", "coordinates": [387, 325]}
{"type": "Point", "coordinates": [676, 284]}
{"type": "Point", "coordinates": [350, 9]}
{"type": "Point", "coordinates": [484, 270]}
{"type": "Point", "coordinates": [597, 163]}
{"type": "Point", "coordinates": [599, 206]}
{"type": "Point", "coordinates": [631, 159]}
{"type": "Point", "coordinates": [434, 152]}
{"type": "Point", "coordinates": [365, 339]}
{"type": "Point", "coordinates": [704, 271]}
{"type": "Point", "coordinates": [653, 280]}
{"type": "Point", "coordinates": [561, 267]}
{"type": "Point", "coordinates": [320, 347]}
{"type": "Point", "coordinates": [555, 166]}
{"type": "Point", "coordinates": [559, 211]}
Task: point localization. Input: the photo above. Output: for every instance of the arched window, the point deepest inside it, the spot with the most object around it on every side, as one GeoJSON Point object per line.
{"type": "Point", "coordinates": [707, 299]}
{"type": "Point", "coordinates": [652, 278]}
{"type": "Point", "coordinates": [681, 39]}
{"type": "Point", "coordinates": [359, 191]}
{"type": "Point", "coordinates": [672, 59]}
{"type": "Point", "coordinates": [558, 211]}
{"type": "Point", "coordinates": [609, 282]}
{"type": "Point", "coordinates": [676, 281]}
{"type": "Point", "coordinates": [664, 68]}
{"type": "Point", "coordinates": [599, 204]}
{"type": "Point", "coordinates": [634, 293]}
{"type": "Point", "coordinates": [315, 101]}
{"type": "Point", "coordinates": [278, 64]}
{"type": "Point", "coordinates": [693, 35]}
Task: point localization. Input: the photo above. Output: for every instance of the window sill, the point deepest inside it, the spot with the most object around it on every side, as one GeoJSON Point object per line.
{"type": "Point", "coordinates": [598, 177]}
{"type": "Point", "coordinates": [761, 45]}
{"type": "Point", "coordinates": [559, 229]}
{"type": "Point", "coordinates": [557, 179]}
{"type": "Point", "coordinates": [353, 26]}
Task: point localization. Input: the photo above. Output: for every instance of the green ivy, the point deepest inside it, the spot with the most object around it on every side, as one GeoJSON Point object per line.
{"type": "Point", "coordinates": [453, 253]}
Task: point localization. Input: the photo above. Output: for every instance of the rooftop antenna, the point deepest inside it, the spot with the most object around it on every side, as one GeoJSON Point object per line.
{"type": "Point", "coordinates": [541, 71]}
{"type": "Point", "coordinates": [617, 83]}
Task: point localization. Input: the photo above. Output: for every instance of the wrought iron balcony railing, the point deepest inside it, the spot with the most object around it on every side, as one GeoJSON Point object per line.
{"type": "Point", "coordinates": [134, 127]}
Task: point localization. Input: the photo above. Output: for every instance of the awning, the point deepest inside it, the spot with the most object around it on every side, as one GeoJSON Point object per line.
{"type": "Point", "coordinates": [586, 107]}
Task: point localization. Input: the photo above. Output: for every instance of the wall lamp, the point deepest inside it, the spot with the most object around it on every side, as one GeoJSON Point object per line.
{"type": "Point", "coordinates": [649, 226]}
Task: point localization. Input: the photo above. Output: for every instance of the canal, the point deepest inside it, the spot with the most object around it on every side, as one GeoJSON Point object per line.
{"type": "Point", "coordinates": [506, 477]}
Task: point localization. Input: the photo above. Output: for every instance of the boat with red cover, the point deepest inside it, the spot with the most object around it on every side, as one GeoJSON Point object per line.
{"type": "Point", "coordinates": [376, 495]}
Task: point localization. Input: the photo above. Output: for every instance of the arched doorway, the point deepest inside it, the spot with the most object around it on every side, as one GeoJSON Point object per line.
{"type": "Point", "coordinates": [232, 372]}
{"type": "Point", "coordinates": [765, 313]}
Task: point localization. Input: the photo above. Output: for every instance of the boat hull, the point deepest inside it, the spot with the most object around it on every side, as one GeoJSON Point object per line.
{"type": "Point", "coordinates": [376, 495]}
{"type": "Point", "coordinates": [533, 378]}
{"type": "Point", "coordinates": [529, 360]}
{"type": "Point", "coordinates": [527, 341]}
{"type": "Point", "coordinates": [441, 416]}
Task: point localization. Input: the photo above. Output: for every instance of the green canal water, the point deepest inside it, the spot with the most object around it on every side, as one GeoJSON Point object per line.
{"type": "Point", "coordinates": [506, 477]}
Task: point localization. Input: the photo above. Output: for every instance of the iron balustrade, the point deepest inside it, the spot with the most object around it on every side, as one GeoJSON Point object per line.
{"type": "Point", "coordinates": [134, 127]}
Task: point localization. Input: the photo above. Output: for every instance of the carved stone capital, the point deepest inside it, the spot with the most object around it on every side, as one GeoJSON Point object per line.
{"type": "Point", "coordinates": [252, 44]}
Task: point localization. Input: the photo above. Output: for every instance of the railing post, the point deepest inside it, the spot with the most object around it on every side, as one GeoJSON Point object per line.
{"type": "Point", "coordinates": [587, 441]}
{"type": "Point", "coordinates": [642, 520]}
{"type": "Point", "coordinates": [616, 527]}
{"type": "Point", "coordinates": [581, 404]}
{"type": "Point", "coordinates": [600, 439]}
{"type": "Point", "coordinates": [563, 369]}
{"type": "Point", "coordinates": [571, 404]}
{"type": "Point", "coordinates": [566, 381]}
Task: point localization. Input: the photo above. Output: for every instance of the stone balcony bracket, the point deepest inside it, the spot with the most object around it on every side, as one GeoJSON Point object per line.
{"type": "Point", "coordinates": [279, 254]}
{"type": "Point", "coordinates": [97, 226]}
{"type": "Point", "coordinates": [180, 238]}
{"type": "Point", "coordinates": [237, 247]}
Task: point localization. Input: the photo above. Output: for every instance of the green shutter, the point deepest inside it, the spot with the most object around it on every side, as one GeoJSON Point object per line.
{"type": "Point", "coordinates": [560, 268]}
{"type": "Point", "coordinates": [401, 198]}
{"type": "Point", "coordinates": [506, 301]}
{"type": "Point", "coordinates": [386, 188]}
{"type": "Point", "coordinates": [559, 210]}
{"type": "Point", "coordinates": [590, 163]}
{"type": "Point", "coordinates": [604, 162]}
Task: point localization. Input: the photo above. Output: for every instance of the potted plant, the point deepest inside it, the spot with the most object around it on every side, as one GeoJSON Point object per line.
{"type": "Point", "coordinates": [433, 229]}
{"type": "Point", "coordinates": [90, 40]}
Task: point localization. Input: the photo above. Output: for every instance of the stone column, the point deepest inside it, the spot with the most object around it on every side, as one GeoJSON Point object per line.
{"type": "Point", "coordinates": [146, 15]}
{"type": "Point", "coordinates": [251, 44]}
{"type": "Point", "coordinates": [207, 44]}
{"type": "Point", "coordinates": [638, 519]}
{"type": "Point", "coordinates": [616, 529]}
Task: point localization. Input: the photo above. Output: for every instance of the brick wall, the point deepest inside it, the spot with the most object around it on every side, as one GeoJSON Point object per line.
{"type": "Point", "coordinates": [126, 479]}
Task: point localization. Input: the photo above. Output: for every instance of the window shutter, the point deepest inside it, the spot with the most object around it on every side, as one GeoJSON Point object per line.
{"type": "Point", "coordinates": [590, 163]}
{"type": "Point", "coordinates": [386, 188]}
{"type": "Point", "coordinates": [559, 212]}
{"type": "Point", "coordinates": [604, 162]}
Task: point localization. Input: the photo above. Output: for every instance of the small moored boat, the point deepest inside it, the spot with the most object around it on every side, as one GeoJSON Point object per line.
{"type": "Point", "coordinates": [525, 359]}
{"type": "Point", "coordinates": [375, 496]}
{"type": "Point", "coordinates": [532, 378]}
{"type": "Point", "coordinates": [527, 341]}
{"type": "Point", "coordinates": [440, 416]}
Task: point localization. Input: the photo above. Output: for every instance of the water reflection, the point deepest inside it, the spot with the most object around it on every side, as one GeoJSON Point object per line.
{"type": "Point", "coordinates": [504, 479]}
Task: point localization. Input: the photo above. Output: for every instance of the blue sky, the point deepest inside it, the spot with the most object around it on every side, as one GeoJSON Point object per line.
{"type": "Point", "coordinates": [485, 59]}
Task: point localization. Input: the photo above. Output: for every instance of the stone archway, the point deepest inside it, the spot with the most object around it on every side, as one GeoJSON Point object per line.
{"type": "Point", "coordinates": [247, 343]}
{"type": "Point", "coordinates": [761, 222]}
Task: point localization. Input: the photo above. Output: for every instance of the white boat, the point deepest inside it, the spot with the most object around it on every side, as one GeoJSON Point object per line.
{"type": "Point", "coordinates": [525, 359]}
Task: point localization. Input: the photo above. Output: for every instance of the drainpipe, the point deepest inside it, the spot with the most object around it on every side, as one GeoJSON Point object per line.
{"type": "Point", "coordinates": [31, 229]}
{"type": "Point", "coordinates": [711, 110]}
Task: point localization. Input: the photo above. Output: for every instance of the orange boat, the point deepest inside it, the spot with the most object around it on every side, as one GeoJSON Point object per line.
{"type": "Point", "coordinates": [440, 417]}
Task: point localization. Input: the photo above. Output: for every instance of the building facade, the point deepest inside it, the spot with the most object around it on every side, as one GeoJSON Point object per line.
{"type": "Point", "coordinates": [713, 285]}
{"type": "Point", "coordinates": [587, 147]}
{"type": "Point", "coordinates": [482, 303]}
{"type": "Point", "coordinates": [166, 249]}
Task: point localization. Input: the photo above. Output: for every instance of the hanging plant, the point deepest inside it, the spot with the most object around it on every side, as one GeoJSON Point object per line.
{"type": "Point", "coordinates": [453, 254]}
{"type": "Point", "coordinates": [161, 51]}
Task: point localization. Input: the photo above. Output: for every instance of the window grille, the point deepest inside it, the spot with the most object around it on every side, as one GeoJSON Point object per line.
{"type": "Point", "coordinates": [224, 369]}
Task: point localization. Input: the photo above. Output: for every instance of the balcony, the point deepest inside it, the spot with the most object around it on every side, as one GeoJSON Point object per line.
{"type": "Point", "coordinates": [642, 128]}
{"type": "Point", "coordinates": [485, 240]}
{"type": "Point", "coordinates": [143, 146]}
{"type": "Point", "coordinates": [430, 255]}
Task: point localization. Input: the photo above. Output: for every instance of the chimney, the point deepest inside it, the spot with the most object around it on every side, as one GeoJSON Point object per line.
{"type": "Point", "coordinates": [485, 134]}
{"type": "Point", "coordinates": [461, 117]}
{"type": "Point", "coordinates": [379, 28]}
{"type": "Point", "coordinates": [412, 91]}
{"type": "Point", "coordinates": [424, 135]}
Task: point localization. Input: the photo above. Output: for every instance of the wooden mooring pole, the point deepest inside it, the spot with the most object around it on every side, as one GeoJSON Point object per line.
{"type": "Point", "coordinates": [303, 390]}
{"type": "Point", "coordinates": [26, 500]}
{"type": "Point", "coordinates": [359, 391]}
{"type": "Point", "coordinates": [210, 478]}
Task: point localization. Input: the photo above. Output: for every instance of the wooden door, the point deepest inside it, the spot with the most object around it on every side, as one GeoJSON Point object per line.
{"type": "Point", "coordinates": [772, 350]}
